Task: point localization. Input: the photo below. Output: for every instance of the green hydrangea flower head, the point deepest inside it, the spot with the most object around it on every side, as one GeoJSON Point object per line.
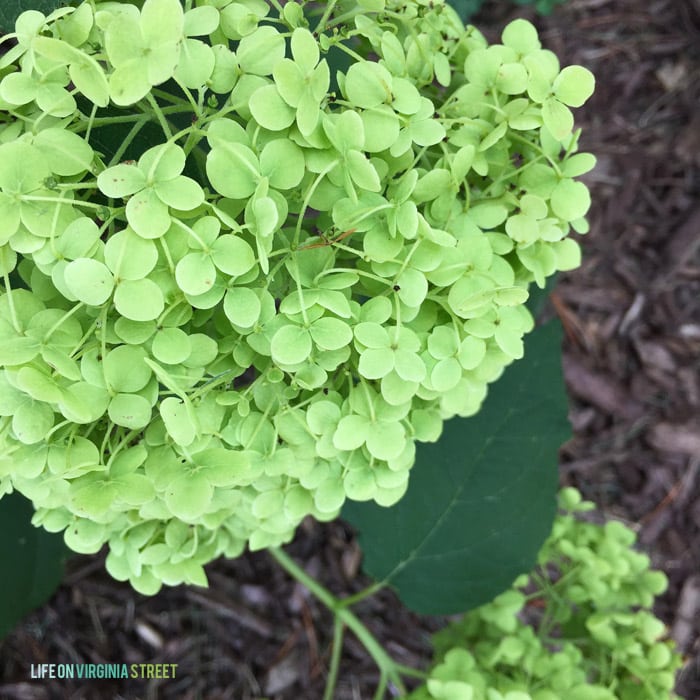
{"type": "Point", "coordinates": [250, 257]}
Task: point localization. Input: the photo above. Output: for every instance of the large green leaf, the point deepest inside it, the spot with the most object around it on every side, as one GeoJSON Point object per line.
{"type": "Point", "coordinates": [10, 10]}
{"type": "Point", "coordinates": [481, 501]}
{"type": "Point", "coordinates": [31, 561]}
{"type": "Point", "coordinates": [466, 8]}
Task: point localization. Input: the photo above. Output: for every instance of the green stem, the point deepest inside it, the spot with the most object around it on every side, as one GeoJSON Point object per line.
{"type": "Point", "coordinates": [388, 668]}
{"type": "Point", "coordinates": [277, 7]}
{"type": "Point", "coordinates": [321, 26]}
{"type": "Point", "coordinates": [72, 186]}
{"type": "Point", "coordinates": [190, 98]}
{"type": "Point", "coordinates": [300, 292]}
{"type": "Point", "coordinates": [60, 200]}
{"type": "Point", "coordinates": [87, 123]}
{"type": "Point", "coordinates": [413, 672]}
{"type": "Point", "coordinates": [381, 687]}
{"type": "Point", "coordinates": [91, 122]}
{"type": "Point", "coordinates": [357, 271]}
{"type": "Point", "coordinates": [344, 18]}
{"type": "Point", "coordinates": [133, 132]}
{"type": "Point", "coordinates": [192, 233]}
{"type": "Point", "coordinates": [307, 198]}
{"type": "Point", "coordinates": [332, 680]}
{"type": "Point", "coordinates": [173, 99]}
{"type": "Point", "coordinates": [60, 321]}
{"type": "Point", "coordinates": [160, 116]}
{"type": "Point", "coordinates": [350, 52]}
{"type": "Point", "coordinates": [361, 595]}
{"type": "Point", "coordinates": [11, 303]}
{"type": "Point", "coordinates": [536, 148]}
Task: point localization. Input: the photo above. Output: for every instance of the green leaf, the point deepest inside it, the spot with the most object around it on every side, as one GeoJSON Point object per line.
{"type": "Point", "coordinates": [32, 559]}
{"type": "Point", "coordinates": [481, 500]}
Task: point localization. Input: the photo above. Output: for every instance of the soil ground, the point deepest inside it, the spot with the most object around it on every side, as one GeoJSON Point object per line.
{"type": "Point", "coordinates": [631, 356]}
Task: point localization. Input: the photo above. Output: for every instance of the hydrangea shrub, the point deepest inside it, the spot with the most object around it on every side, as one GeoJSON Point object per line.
{"type": "Point", "coordinates": [321, 253]}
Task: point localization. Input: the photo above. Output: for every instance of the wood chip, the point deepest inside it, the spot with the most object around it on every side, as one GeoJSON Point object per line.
{"type": "Point", "coordinates": [670, 437]}
{"type": "Point", "coordinates": [687, 613]}
{"type": "Point", "coordinates": [283, 674]}
{"type": "Point", "coordinates": [603, 391]}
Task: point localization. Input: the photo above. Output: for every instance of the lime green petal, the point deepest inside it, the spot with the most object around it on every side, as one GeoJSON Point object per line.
{"type": "Point", "coordinates": [139, 300]}
{"type": "Point", "coordinates": [147, 214]}
{"type": "Point", "coordinates": [181, 193]}
{"type": "Point", "coordinates": [130, 411]}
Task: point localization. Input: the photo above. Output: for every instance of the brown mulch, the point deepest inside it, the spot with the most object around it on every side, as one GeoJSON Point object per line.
{"type": "Point", "coordinates": [632, 366]}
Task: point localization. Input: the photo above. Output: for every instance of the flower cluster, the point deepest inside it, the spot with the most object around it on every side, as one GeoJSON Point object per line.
{"type": "Point", "coordinates": [580, 626]}
{"type": "Point", "coordinates": [250, 257]}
